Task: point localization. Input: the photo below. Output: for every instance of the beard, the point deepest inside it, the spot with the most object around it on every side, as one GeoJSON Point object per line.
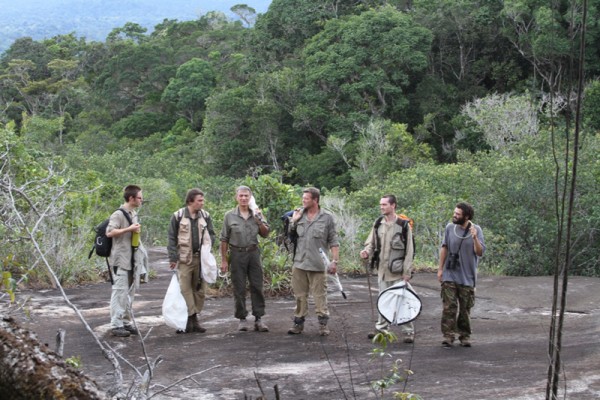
{"type": "Point", "coordinates": [459, 221]}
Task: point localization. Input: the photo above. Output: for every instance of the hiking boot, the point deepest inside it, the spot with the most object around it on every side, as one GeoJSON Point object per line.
{"type": "Point", "coordinates": [131, 329]}
{"type": "Point", "coordinates": [447, 342]}
{"type": "Point", "coordinates": [120, 332]}
{"type": "Point", "coordinates": [260, 326]}
{"type": "Point", "coordinates": [465, 342]}
{"type": "Point", "coordinates": [298, 326]}
{"type": "Point", "coordinates": [409, 338]}
{"type": "Point", "coordinates": [195, 325]}
{"type": "Point", "coordinates": [243, 325]}
{"type": "Point", "coordinates": [323, 330]}
{"type": "Point", "coordinates": [189, 327]}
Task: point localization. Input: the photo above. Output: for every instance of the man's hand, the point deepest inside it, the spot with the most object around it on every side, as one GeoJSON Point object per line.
{"type": "Point", "coordinates": [135, 228]}
{"type": "Point", "coordinates": [173, 265]}
{"type": "Point", "coordinates": [332, 268]}
{"type": "Point", "coordinates": [297, 214]}
{"type": "Point", "coordinates": [364, 254]}
{"type": "Point", "coordinates": [473, 231]}
{"type": "Point", "coordinates": [258, 217]}
{"type": "Point", "coordinates": [224, 266]}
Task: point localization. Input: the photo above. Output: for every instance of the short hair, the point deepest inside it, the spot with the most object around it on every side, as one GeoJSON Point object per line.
{"type": "Point", "coordinates": [315, 193]}
{"type": "Point", "coordinates": [243, 188]}
{"type": "Point", "coordinates": [391, 198]}
{"type": "Point", "coordinates": [191, 195]}
{"type": "Point", "coordinates": [131, 191]}
{"type": "Point", "coordinates": [467, 209]}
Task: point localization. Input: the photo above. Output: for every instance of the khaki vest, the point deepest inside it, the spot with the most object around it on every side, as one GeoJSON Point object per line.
{"type": "Point", "coordinates": [184, 236]}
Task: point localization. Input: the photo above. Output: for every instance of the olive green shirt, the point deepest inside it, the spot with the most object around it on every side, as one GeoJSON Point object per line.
{"type": "Point", "coordinates": [240, 232]}
{"type": "Point", "coordinates": [313, 235]}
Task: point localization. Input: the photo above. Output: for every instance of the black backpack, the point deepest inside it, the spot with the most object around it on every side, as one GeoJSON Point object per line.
{"type": "Point", "coordinates": [103, 244]}
{"type": "Point", "coordinates": [290, 237]}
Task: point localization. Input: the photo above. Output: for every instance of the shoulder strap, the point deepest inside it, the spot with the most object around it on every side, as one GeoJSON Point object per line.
{"type": "Point", "coordinates": [376, 226]}
{"type": "Point", "coordinates": [377, 223]}
{"type": "Point", "coordinates": [126, 214]}
{"type": "Point", "coordinates": [377, 249]}
{"type": "Point", "coordinates": [404, 224]}
{"type": "Point", "coordinates": [464, 235]}
{"type": "Point", "coordinates": [179, 214]}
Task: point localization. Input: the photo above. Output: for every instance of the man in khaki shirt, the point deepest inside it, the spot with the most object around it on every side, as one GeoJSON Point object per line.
{"type": "Point", "coordinates": [121, 261]}
{"type": "Point", "coordinates": [395, 259]}
{"type": "Point", "coordinates": [315, 228]}
{"type": "Point", "coordinates": [190, 228]}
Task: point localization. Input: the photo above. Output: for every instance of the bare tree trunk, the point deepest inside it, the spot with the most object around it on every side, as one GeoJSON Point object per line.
{"type": "Point", "coordinates": [29, 370]}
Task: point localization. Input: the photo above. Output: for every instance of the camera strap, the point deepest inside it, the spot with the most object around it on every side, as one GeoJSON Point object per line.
{"type": "Point", "coordinates": [463, 236]}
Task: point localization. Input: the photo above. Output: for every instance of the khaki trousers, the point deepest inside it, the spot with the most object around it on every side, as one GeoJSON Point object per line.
{"type": "Point", "coordinates": [310, 282]}
{"type": "Point", "coordinates": [192, 288]}
{"type": "Point", "coordinates": [121, 298]}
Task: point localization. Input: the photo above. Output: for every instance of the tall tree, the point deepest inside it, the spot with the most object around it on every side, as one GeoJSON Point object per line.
{"type": "Point", "coordinates": [361, 67]}
{"type": "Point", "coordinates": [188, 90]}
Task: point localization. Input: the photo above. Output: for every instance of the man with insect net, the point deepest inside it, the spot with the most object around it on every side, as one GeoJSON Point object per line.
{"type": "Point", "coordinates": [390, 246]}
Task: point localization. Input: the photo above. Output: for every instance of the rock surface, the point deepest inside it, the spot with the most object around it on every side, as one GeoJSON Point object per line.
{"type": "Point", "coordinates": [508, 359]}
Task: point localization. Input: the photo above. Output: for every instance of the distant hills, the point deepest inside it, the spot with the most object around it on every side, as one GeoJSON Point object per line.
{"type": "Point", "coordinates": [94, 19]}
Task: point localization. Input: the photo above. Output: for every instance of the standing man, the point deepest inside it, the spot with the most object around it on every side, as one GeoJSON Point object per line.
{"type": "Point", "coordinates": [316, 230]}
{"type": "Point", "coordinates": [390, 244]}
{"type": "Point", "coordinates": [121, 224]}
{"type": "Point", "coordinates": [190, 228]}
{"type": "Point", "coordinates": [462, 247]}
{"type": "Point", "coordinates": [239, 240]}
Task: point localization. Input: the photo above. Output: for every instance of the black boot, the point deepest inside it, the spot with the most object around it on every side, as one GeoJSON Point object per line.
{"type": "Point", "coordinates": [189, 327]}
{"type": "Point", "coordinates": [195, 325]}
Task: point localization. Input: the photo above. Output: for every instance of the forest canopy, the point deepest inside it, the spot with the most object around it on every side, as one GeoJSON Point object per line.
{"type": "Point", "coordinates": [435, 102]}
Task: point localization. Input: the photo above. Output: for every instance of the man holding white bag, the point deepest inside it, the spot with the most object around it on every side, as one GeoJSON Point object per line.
{"type": "Point", "coordinates": [190, 228]}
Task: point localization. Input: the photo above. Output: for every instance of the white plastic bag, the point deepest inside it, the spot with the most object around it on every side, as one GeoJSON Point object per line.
{"type": "Point", "coordinates": [209, 264]}
{"type": "Point", "coordinates": [174, 309]}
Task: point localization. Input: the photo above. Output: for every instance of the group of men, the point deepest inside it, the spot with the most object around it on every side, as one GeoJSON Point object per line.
{"type": "Point", "coordinates": [389, 245]}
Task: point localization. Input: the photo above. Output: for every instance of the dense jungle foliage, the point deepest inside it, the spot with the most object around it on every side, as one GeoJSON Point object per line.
{"type": "Point", "coordinates": [434, 101]}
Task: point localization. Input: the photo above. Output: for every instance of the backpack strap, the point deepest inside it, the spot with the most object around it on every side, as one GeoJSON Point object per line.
{"type": "Point", "coordinates": [179, 214]}
{"type": "Point", "coordinates": [375, 258]}
{"type": "Point", "coordinates": [404, 224]}
{"type": "Point", "coordinates": [127, 216]}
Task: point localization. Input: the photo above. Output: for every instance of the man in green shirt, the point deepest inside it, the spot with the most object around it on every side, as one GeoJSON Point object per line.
{"type": "Point", "coordinates": [315, 228]}
{"type": "Point", "coordinates": [240, 254]}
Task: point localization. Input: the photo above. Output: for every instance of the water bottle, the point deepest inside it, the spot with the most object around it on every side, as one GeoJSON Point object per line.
{"type": "Point", "coordinates": [135, 239]}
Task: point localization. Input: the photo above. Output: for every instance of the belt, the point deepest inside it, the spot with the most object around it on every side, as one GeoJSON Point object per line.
{"type": "Point", "coordinates": [244, 249]}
